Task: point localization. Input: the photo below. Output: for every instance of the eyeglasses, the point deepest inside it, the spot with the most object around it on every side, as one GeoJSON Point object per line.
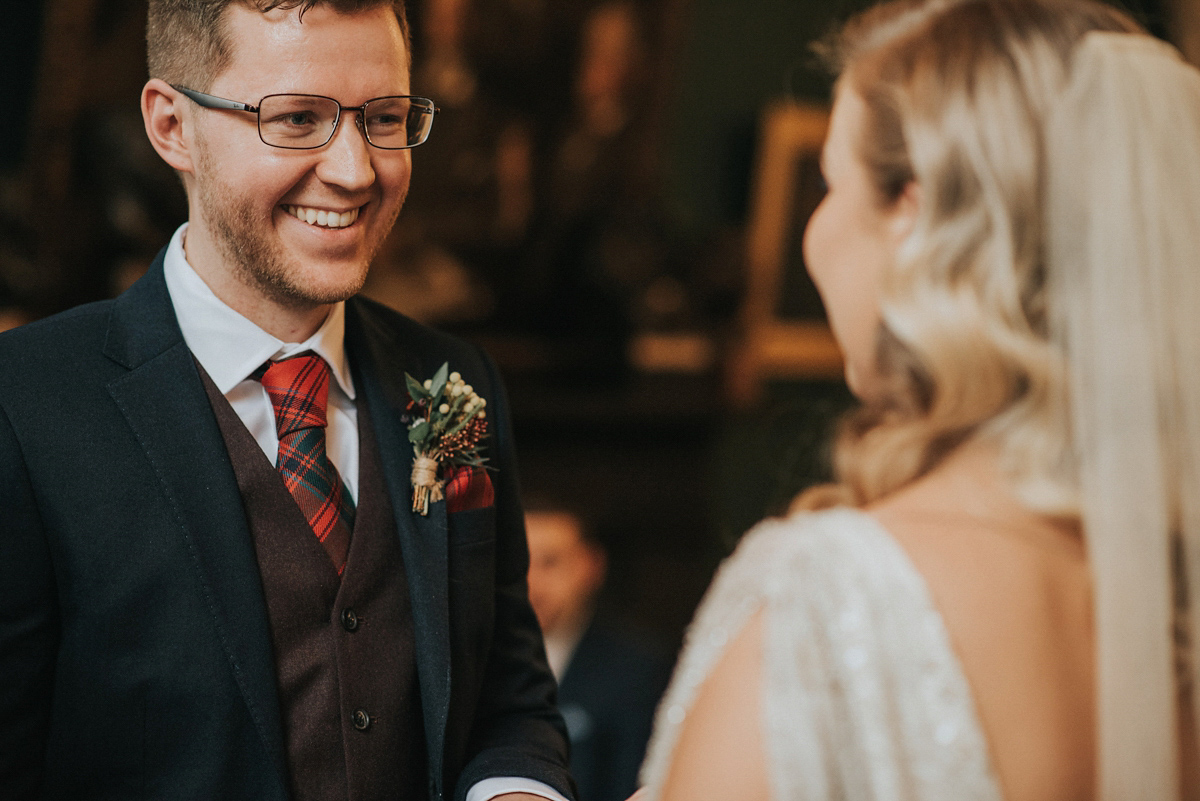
{"type": "Point", "coordinates": [305, 122]}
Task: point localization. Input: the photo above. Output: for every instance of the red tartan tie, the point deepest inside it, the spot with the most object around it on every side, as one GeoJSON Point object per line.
{"type": "Point", "coordinates": [299, 388]}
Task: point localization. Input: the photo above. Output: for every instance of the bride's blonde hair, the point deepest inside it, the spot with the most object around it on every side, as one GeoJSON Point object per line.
{"type": "Point", "coordinates": [1048, 300]}
{"type": "Point", "coordinates": [956, 96]}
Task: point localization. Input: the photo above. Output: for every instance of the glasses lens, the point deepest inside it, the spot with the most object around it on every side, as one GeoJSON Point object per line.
{"type": "Point", "coordinates": [398, 122]}
{"type": "Point", "coordinates": [296, 121]}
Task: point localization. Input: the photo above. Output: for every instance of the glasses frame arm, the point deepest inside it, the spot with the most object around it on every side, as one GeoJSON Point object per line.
{"type": "Point", "coordinates": [212, 101]}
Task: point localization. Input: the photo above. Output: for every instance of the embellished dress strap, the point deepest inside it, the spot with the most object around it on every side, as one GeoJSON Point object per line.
{"type": "Point", "coordinates": [864, 696]}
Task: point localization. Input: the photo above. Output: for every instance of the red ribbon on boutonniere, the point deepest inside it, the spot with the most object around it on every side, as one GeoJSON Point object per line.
{"type": "Point", "coordinates": [448, 427]}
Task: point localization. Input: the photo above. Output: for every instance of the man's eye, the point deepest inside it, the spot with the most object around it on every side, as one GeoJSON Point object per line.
{"type": "Point", "coordinates": [385, 121]}
{"type": "Point", "coordinates": [291, 119]}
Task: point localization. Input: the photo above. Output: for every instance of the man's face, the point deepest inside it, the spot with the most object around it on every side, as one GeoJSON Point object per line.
{"type": "Point", "coordinates": [564, 571]}
{"type": "Point", "coordinates": [250, 202]}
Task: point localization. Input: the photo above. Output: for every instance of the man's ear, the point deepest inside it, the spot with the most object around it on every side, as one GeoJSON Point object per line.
{"type": "Point", "coordinates": [904, 212]}
{"type": "Point", "coordinates": [597, 568]}
{"type": "Point", "coordinates": [167, 124]}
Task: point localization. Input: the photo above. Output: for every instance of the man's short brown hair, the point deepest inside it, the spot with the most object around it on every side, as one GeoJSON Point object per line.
{"type": "Point", "coordinates": [187, 45]}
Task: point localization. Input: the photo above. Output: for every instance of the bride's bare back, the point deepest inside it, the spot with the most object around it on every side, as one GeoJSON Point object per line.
{"type": "Point", "coordinates": [1014, 591]}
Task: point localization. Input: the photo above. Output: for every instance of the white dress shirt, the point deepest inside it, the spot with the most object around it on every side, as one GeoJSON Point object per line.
{"type": "Point", "coordinates": [230, 347]}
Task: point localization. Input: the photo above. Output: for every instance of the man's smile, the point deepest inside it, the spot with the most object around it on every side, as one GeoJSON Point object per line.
{"type": "Point", "coordinates": [323, 217]}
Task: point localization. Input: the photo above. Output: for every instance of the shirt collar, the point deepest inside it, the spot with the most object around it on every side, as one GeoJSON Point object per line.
{"type": "Point", "coordinates": [228, 345]}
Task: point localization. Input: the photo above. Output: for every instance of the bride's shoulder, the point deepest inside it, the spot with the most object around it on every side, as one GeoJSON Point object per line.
{"type": "Point", "coordinates": [780, 554]}
{"type": "Point", "coordinates": [814, 566]}
{"type": "Point", "coordinates": [802, 532]}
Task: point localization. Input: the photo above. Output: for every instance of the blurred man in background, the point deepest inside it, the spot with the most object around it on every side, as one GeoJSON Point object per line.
{"type": "Point", "coordinates": [609, 683]}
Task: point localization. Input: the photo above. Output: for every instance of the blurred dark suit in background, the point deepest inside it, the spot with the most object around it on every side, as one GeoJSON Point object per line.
{"type": "Point", "coordinates": [609, 681]}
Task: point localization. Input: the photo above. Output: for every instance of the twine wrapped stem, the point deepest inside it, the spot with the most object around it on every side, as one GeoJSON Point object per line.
{"type": "Point", "coordinates": [426, 487]}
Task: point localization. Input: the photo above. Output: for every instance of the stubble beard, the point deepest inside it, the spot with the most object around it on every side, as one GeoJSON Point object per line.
{"type": "Point", "coordinates": [259, 262]}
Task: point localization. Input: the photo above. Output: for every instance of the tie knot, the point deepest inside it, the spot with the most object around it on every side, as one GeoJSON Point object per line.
{"type": "Point", "coordinates": [298, 388]}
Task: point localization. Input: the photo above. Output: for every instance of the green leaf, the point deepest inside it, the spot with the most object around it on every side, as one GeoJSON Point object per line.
{"type": "Point", "coordinates": [451, 430]}
{"type": "Point", "coordinates": [419, 432]}
{"type": "Point", "coordinates": [416, 390]}
{"type": "Point", "coordinates": [439, 381]}
{"type": "Point", "coordinates": [472, 460]}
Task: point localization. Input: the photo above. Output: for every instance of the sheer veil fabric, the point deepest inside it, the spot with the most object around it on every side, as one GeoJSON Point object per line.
{"type": "Point", "coordinates": [1123, 251]}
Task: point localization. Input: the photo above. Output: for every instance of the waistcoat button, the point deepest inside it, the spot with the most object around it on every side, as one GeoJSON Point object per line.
{"type": "Point", "coordinates": [349, 619]}
{"type": "Point", "coordinates": [361, 719]}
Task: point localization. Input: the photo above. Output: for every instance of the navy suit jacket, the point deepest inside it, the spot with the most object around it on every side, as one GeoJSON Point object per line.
{"type": "Point", "coordinates": [608, 696]}
{"type": "Point", "coordinates": [135, 658]}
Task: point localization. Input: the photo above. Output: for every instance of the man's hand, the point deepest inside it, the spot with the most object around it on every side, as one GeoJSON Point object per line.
{"type": "Point", "coordinates": [641, 795]}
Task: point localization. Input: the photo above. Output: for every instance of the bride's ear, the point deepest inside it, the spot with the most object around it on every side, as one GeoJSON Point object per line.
{"type": "Point", "coordinates": [904, 212]}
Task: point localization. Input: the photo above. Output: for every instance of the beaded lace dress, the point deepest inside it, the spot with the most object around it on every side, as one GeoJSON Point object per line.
{"type": "Point", "coordinates": [863, 697]}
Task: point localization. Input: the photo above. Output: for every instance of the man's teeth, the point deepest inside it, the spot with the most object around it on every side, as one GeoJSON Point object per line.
{"type": "Point", "coordinates": [326, 219]}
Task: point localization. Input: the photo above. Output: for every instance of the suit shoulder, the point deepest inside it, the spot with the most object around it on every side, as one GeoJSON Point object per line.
{"type": "Point", "coordinates": [434, 346]}
{"type": "Point", "coordinates": [633, 654]}
{"type": "Point", "coordinates": [376, 313]}
{"type": "Point", "coordinates": [63, 326]}
{"type": "Point", "coordinates": [55, 340]}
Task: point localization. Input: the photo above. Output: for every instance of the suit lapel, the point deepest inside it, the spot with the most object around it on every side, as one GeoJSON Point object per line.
{"type": "Point", "coordinates": [379, 362]}
{"type": "Point", "coordinates": [164, 403]}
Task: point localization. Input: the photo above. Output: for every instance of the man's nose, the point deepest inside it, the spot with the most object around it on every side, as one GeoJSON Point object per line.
{"type": "Point", "coordinates": [346, 159]}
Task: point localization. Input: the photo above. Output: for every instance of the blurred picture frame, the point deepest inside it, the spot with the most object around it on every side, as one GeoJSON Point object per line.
{"type": "Point", "coordinates": [783, 331]}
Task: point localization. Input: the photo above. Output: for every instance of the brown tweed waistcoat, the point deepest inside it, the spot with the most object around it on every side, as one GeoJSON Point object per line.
{"type": "Point", "coordinates": [344, 650]}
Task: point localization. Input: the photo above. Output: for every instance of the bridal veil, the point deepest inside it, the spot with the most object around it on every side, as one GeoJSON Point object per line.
{"type": "Point", "coordinates": [1123, 256]}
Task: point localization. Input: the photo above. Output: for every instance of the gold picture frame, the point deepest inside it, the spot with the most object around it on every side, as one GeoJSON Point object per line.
{"type": "Point", "coordinates": [773, 344]}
